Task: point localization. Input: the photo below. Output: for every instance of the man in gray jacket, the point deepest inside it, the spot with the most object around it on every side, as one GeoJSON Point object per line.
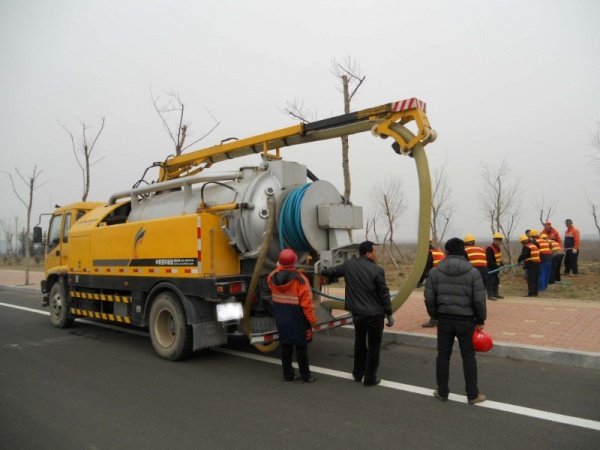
{"type": "Point", "coordinates": [455, 296]}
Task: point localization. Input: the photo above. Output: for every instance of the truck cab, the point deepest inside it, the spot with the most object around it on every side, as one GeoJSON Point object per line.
{"type": "Point", "coordinates": [57, 241]}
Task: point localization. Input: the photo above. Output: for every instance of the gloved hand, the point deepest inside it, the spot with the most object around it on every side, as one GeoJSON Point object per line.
{"type": "Point", "coordinates": [390, 320]}
{"type": "Point", "coordinates": [574, 250]}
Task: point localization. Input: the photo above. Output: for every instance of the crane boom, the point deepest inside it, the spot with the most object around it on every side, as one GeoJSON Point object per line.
{"type": "Point", "coordinates": [378, 119]}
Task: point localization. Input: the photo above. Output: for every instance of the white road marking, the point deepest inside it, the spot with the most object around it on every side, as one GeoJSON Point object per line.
{"type": "Point", "coordinates": [428, 392]}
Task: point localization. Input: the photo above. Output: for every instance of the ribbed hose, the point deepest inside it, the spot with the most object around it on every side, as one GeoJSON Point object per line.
{"type": "Point", "coordinates": [418, 152]}
{"type": "Point", "coordinates": [256, 275]}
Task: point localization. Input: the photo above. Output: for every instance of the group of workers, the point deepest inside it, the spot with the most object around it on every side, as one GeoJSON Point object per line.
{"type": "Point", "coordinates": [542, 256]}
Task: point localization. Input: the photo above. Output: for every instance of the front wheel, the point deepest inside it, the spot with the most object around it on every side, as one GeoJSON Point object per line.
{"type": "Point", "coordinates": [59, 307]}
{"type": "Point", "coordinates": [170, 334]}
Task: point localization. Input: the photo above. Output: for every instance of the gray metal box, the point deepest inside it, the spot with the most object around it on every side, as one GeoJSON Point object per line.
{"type": "Point", "coordinates": [338, 216]}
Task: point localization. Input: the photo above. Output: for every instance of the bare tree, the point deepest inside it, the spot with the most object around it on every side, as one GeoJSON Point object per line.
{"type": "Point", "coordinates": [594, 209]}
{"type": "Point", "coordinates": [180, 131]}
{"type": "Point", "coordinates": [501, 201]}
{"type": "Point", "coordinates": [442, 208]}
{"type": "Point", "coordinates": [32, 184]}
{"type": "Point", "coordinates": [8, 237]}
{"type": "Point", "coordinates": [545, 208]}
{"type": "Point", "coordinates": [83, 149]}
{"type": "Point", "coordinates": [371, 224]}
{"type": "Point", "coordinates": [389, 204]}
{"type": "Point", "coordinates": [351, 79]}
{"type": "Point", "coordinates": [595, 142]}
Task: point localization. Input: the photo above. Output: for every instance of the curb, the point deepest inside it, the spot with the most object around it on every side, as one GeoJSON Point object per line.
{"type": "Point", "coordinates": [550, 355]}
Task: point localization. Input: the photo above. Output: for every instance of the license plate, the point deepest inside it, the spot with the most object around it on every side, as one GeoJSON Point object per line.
{"type": "Point", "coordinates": [229, 311]}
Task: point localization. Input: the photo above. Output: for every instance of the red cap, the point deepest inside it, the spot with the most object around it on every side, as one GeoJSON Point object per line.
{"type": "Point", "coordinates": [548, 223]}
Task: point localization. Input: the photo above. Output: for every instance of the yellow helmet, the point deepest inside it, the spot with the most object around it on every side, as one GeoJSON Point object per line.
{"type": "Point", "coordinates": [544, 236]}
{"type": "Point", "coordinates": [469, 238]}
{"type": "Point", "coordinates": [523, 238]}
{"type": "Point", "coordinates": [498, 236]}
{"type": "Point", "coordinates": [534, 232]}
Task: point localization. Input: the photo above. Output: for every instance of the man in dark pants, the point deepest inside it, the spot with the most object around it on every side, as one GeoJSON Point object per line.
{"type": "Point", "coordinates": [530, 257]}
{"type": "Point", "coordinates": [455, 295]}
{"type": "Point", "coordinates": [368, 298]}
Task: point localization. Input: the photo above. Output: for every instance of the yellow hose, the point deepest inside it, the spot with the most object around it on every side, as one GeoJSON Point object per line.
{"type": "Point", "coordinates": [418, 152]}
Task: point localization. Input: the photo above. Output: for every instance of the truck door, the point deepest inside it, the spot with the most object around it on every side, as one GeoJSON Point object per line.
{"type": "Point", "coordinates": [58, 238]}
{"type": "Point", "coordinates": [54, 245]}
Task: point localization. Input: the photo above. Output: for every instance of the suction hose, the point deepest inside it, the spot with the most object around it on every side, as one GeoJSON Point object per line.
{"type": "Point", "coordinates": [418, 152]}
{"type": "Point", "coordinates": [265, 348]}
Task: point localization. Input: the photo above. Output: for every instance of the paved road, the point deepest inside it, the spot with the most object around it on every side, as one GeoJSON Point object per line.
{"type": "Point", "coordinates": [102, 388]}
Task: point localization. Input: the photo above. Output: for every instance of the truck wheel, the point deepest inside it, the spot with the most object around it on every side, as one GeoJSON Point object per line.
{"type": "Point", "coordinates": [171, 335]}
{"type": "Point", "coordinates": [59, 308]}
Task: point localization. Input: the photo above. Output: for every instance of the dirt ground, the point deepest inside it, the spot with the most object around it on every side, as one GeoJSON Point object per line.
{"type": "Point", "coordinates": [586, 286]}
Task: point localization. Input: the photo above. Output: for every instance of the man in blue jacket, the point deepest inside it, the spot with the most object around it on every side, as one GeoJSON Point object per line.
{"type": "Point", "coordinates": [368, 298]}
{"type": "Point", "coordinates": [455, 296]}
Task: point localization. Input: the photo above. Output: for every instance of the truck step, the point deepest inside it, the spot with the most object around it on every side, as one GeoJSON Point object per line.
{"type": "Point", "coordinates": [270, 336]}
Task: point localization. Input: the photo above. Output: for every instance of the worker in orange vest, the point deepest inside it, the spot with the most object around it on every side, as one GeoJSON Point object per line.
{"type": "Point", "coordinates": [557, 257]}
{"type": "Point", "coordinates": [546, 258]}
{"type": "Point", "coordinates": [433, 259]}
{"type": "Point", "coordinates": [530, 257]}
{"type": "Point", "coordinates": [476, 256]}
{"type": "Point", "coordinates": [493, 256]}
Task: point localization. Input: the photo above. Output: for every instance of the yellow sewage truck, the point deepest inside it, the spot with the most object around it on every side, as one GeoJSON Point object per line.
{"type": "Point", "coordinates": [187, 256]}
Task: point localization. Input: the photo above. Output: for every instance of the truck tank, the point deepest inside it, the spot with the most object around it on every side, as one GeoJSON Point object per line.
{"type": "Point", "coordinates": [313, 215]}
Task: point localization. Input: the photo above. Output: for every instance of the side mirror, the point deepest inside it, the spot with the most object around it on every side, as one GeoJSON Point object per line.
{"type": "Point", "coordinates": [37, 235]}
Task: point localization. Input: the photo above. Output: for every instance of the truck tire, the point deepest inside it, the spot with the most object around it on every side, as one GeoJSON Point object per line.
{"type": "Point", "coordinates": [170, 334]}
{"type": "Point", "coordinates": [59, 307]}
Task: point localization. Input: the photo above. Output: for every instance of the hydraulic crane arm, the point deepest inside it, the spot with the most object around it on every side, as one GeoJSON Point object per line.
{"type": "Point", "coordinates": [378, 119]}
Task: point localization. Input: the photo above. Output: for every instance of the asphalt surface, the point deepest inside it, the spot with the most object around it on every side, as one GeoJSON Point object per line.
{"type": "Point", "coordinates": [104, 388]}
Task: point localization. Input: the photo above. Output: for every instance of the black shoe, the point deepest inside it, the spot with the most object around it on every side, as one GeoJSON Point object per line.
{"type": "Point", "coordinates": [358, 380]}
{"type": "Point", "coordinates": [296, 378]}
{"type": "Point", "coordinates": [374, 382]}
{"type": "Point", "coordinates": [310, 379]}
{"type": "Point", "coordinates": [499, 296]}
{"type": "Point", "coordinates": [430, 324]}
{"type": "Point", "coordinates": [419, 285]}
{"type": "Point", "coordinates": [493, 299]}
{"type": "Point", "coordinates": [437, 395]}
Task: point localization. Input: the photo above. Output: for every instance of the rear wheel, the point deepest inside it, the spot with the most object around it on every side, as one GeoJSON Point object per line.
{"type": "Point", "coordinates": [59, 308]}
{"type": "Point", "coordinates": [170, 334]}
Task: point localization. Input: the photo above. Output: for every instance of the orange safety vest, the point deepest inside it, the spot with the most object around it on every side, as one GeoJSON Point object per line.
{"type": "Point", "coordinates": [476, 256]}
{"type": "Point", "coordinates": [544, 246]}
{"type": "Point", "coordinates": [497, 253]}
{"type": "Point", "coordinates": [555, 247]}
{"type": "Point", "coordinates": [437, 257]}
{"type": "Point", "coordinates": [535, 253]}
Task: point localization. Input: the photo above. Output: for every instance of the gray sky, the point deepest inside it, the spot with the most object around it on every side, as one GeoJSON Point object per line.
{"type": "Point", "coordinates": [514, 80]}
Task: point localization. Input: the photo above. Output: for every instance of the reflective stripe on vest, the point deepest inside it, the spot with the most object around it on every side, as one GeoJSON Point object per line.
{"type": "Point", "coordinates": [286, 299]}
{"type": "Point", "coordinates": [535, 253]}
{"type": "Point", "coordinates": [437, 257]}
{"type": "Point", "coordinates": [497, 253]}
{"type": "Point", "coordinates": [555, 247]}
{"type": "Point", "coordinates": [544, 247]}
{"type": "Point", "coordinates": [476, 256]}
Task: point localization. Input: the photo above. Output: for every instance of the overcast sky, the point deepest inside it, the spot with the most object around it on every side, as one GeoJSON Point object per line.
{"type": "Point", "coordinates": [504, 80]}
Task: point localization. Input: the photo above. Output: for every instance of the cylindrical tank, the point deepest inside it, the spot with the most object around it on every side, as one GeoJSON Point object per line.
{"type": "Point", "coordinates": [246, 226]}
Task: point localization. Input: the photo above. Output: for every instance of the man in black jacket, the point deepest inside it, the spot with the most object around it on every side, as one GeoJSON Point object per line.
{"type": "Point", "coordinates": [368, 298]}
{"type": "Point", "coordinates": [455, 296]}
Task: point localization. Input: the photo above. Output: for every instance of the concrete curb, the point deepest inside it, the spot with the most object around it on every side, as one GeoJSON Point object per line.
{"type": "Point", "coordinates": [588, 360]}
